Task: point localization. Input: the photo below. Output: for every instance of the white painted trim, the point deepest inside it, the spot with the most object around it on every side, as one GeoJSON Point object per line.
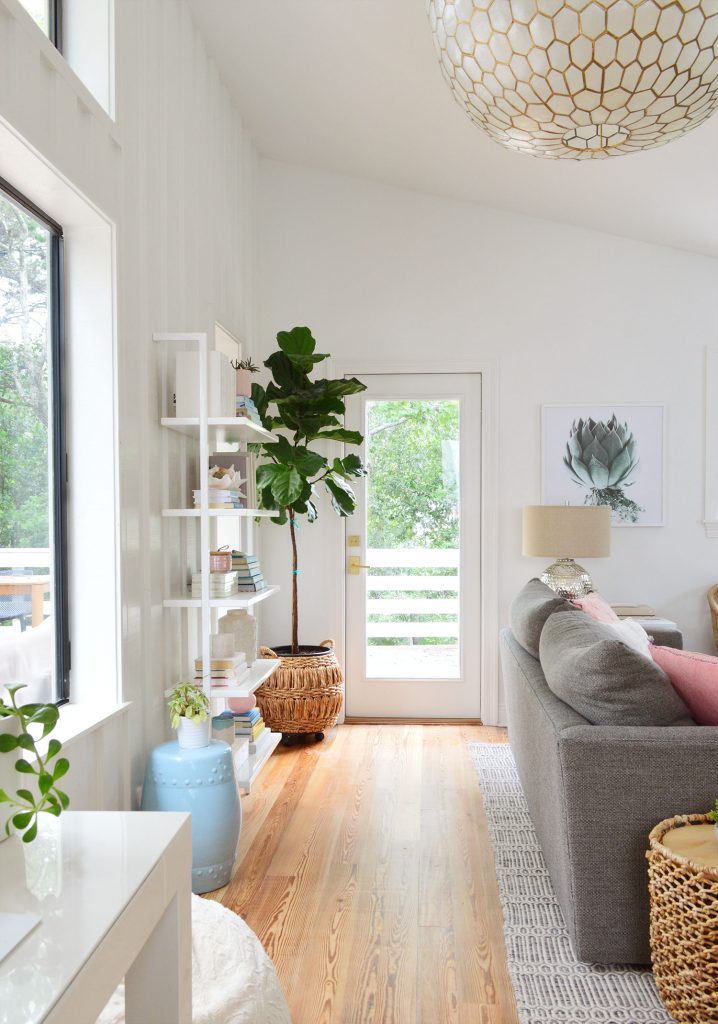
{"type": "Point", "coordinates": [489, 484]}
{"type": "Point", "coordinates": [710, 520]}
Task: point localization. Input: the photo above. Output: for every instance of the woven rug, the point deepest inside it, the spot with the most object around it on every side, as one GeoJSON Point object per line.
{"type": "Point", "coordinates": [550, 985]}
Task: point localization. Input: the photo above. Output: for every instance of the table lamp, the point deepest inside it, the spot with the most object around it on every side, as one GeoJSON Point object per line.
{"type": "Point", "coordinates": [566, 532]}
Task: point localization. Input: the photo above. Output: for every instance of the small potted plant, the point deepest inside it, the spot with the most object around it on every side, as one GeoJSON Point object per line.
{"type": "Point", "coordinates": [713, 815]}
{"type": "Point", "coordinates": [19, 811]}
{"type": "Point", "coordinates": [189, 714]}
{"type": "Point", "coordinates": [244, 368]}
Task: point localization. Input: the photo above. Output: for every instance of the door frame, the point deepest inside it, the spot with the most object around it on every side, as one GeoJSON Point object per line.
{"type": "Point", "coordinates": [489, 586]}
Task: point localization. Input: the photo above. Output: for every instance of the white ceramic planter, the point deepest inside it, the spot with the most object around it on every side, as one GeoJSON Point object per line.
{"type": "Point", "coordinates": [192, 734]}
{"type": "Point", "coordinates": [9, 779]}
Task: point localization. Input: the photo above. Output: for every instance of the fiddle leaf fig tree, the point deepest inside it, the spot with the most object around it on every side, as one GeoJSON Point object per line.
{"type": "Point", "coordinates": [307, 412]}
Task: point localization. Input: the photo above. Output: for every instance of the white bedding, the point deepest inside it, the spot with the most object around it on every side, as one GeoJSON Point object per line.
{"type": "Point", "coordinates": [233, 979]}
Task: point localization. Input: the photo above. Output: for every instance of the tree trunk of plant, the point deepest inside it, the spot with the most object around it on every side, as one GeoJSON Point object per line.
{"type": "Point", "coordinates": [295, 612]}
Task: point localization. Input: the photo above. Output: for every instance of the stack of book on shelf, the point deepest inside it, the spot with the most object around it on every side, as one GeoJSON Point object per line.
{"type": "Point", "coordinates": [249, 574]}
{"type": "Point", "coordinates": [224, 671]}
{"type": "Point", "coordinates": [220, 498]}
{"type": "Point", "coordinates": [221, 584]}
{"type": "Point", "coordinates": [250, 724]}
{"type": "Point", "coordinates": [246, 408]}
{"type": "Point", "coordinates": [223, 729]}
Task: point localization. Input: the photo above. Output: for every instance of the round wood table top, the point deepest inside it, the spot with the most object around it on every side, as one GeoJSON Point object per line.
{"type": "Point", "coordinates": [696, 842]}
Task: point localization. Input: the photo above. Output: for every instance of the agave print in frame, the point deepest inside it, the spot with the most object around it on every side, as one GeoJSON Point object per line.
{"type": "Point", "coordinates": [606, 455]}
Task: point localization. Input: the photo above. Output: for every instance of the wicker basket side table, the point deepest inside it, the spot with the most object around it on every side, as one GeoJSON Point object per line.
{"type": "Point", "coordinates": [683, 887]}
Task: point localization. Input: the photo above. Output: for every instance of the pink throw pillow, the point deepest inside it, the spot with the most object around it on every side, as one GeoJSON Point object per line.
{"type": "Point", "coordinates": [594, 605]}
{"type": "Point", "coordinates": [694, 678]}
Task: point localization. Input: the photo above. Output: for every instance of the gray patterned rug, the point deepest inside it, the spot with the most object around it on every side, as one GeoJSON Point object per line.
{"type": "Point", "coordinates": [551, 986]}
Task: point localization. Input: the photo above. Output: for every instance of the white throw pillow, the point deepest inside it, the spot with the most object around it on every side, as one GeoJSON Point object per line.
{"type": "Point", "coordinates": [633, 635]}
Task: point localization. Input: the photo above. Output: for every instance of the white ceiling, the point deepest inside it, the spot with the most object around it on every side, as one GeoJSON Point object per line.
{"type": "Point", "coordinates": [353, 86]}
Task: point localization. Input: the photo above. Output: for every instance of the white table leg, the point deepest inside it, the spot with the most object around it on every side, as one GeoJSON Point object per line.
{"type": "Point", "coordinates": [158, 986]}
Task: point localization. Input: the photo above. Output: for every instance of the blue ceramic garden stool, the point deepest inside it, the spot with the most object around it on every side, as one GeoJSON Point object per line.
{"type": "Point", "coordinates": [202, 782]}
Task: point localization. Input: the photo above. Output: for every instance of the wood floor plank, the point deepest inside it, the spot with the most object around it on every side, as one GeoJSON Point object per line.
{"type": "Point", "coordinates": [365, 867]}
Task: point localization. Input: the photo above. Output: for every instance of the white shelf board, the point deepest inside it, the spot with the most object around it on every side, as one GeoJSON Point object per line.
{"type": "Point", "coordinates": [194, 513]}
{"type": "Point", "coordinates": [261, 670]}
{"type": "Point", "coordinates": [233, 601]}
{"type": "Point", "coordinates": [257, 761]}
{"type": "Point", "coordinates": [225, 429]}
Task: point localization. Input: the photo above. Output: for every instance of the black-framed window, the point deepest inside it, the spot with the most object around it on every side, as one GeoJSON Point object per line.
{"type": "Point", "coordinates": [48, 15]}
{"type": "Point", "coordinates": [34, 639]}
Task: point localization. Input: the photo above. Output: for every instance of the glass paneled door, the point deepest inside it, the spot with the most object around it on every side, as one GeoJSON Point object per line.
{"type": "Point", "coordinates": [413, 548]}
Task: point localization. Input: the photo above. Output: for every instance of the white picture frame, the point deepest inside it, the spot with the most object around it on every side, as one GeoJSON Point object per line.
{"type": "Point", "coordinates": [639, 498]}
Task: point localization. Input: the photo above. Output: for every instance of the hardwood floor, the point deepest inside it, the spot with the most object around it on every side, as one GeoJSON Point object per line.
{"type": "Point", "coordinates": [365, 868]}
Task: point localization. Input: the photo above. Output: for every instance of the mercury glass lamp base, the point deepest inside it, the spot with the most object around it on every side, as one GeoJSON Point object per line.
{"type": "Point", "coordinates": [567, 578]}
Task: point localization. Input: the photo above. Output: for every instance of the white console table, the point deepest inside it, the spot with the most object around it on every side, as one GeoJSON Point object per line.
{"type": "Point", "coordinates": [113, 894]}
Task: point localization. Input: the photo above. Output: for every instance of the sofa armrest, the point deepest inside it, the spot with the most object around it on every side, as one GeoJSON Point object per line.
{"type": "Point", "coordinates": [620, 781]}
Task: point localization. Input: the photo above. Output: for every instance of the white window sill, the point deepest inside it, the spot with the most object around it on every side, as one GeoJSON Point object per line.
{"type": "Point", "coordinates": [77, 720]}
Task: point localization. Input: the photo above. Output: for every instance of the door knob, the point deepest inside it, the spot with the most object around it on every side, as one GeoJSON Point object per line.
{"type": "Point", "coordinates": [354, 565]}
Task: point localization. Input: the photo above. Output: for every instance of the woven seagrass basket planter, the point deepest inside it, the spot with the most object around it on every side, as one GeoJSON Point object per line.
{"type": "Point", "coordinates": [306, 692]}
{"type": "Point", "coordinates": [684, 927]}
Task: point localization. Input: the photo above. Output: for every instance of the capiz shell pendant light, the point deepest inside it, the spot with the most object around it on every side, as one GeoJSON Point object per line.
{"type": "Point", "coordinates": [580, 79]}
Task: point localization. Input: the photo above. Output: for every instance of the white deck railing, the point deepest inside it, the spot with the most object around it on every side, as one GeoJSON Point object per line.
{"type": "Point", "coordinates": [413, 585]}
{"type": "Point", "coordinates": [24, 558]}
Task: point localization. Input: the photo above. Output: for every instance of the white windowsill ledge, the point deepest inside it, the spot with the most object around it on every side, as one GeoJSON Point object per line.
{"type": "Point", "coordinates": [78, 720]}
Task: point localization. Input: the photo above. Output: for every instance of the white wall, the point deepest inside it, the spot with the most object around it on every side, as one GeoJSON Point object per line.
{"type": "Point", "coordinates": [173, 177]}
{"type": "Point", "coordinates": [568, 314]}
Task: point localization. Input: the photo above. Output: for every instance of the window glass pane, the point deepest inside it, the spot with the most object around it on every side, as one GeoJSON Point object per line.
{"type": "Point", "coordinates": [27, 639]}
{"type": "Point", "coordinates": [38, 10]}
{"type": "Point", "coordinates": [413, 539]}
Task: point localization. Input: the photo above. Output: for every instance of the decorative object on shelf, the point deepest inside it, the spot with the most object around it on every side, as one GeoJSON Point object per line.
{"type": "Point", "coordinates": [225, 489]}
{"type": "Point", "coordinates": [242, 627]}
{"type": "Point", "coordinates": [243, 465]}
{"type": "Point", "coordinates": [221, 584]}
{"type": "Point", "coordinates": [683, 889]}
{"type": "Point", "coordinates": [220, 385]}
{"type": "Point", "coordinates": [567, 531]}
{"type": "Point", "coordinates": [189, 709]}
{"type": "Point", "coordinates": [575, 80]}
{"type": "Point", "coordinates": [606, 455]}
{"type": "Point", "coordinates": [200, 780]}
{"type": "Point", "coordinates": [244, 368]}
{"type": "Point", "coordinates": [249, 574]}
{"type": "Point", "coordinates": [19, 810]}
{"type": "Point", "coordinates": [220, 560]}
{"type": "Point", "coordinates": [306, 692]}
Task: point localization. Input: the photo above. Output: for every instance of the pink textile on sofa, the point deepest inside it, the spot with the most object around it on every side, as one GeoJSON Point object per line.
{"type": "Point", "coordinates": [594, 605]}
{"type": "Point", "coordinates": [694, 677]}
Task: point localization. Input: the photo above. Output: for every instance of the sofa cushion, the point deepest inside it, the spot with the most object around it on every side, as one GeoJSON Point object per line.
{"type": "Point", "coordinates": [602, 678]}
{"type": "Point", "coordinates": [695, 677]}
{"type": "Point", "coordinates": [595, 606]}
{"type": "Point", "coordinates": [529, 611]}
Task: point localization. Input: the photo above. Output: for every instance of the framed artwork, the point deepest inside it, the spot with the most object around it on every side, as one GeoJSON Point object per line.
{"type": "Point", "coordinates": [606, 455]}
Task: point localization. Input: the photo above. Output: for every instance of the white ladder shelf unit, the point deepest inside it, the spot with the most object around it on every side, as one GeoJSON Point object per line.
{"type": "Point", "coordinates": [201, 433]}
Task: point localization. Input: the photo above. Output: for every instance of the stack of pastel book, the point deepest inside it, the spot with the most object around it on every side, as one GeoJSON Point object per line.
{"type": "Point", "coordinates": [223, 729]}
{"type": "Point", "coordinates": [249, 724]}
{"type": "Point", "coordinates": [220, 498]}
{"type": "Point", "coordinates": [246, 408]}
{"type": "Point", "coordinates": [249, 574]}
{"type": "Point", "coordinates": [225, 671]}
{"type": "Point", "coordinates": [221, 584]}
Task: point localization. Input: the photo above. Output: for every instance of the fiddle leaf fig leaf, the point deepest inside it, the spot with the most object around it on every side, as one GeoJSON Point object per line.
{"type": "Point", "coordinates": [343, 497]}
{"type": "Point", "coordinates": [299, 345]}
{"type": "Point", "coordinates": [339, 434]}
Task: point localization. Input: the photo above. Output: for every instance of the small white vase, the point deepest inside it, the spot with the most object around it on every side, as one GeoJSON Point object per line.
{"type": "Point", "coordinates": [9, 778]}
{"type": "Point", "coordinates": [192, 734]}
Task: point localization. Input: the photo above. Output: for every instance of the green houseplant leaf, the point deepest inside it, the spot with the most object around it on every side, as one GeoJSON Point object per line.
{"type": "Point", "coordinates": [42, 769]}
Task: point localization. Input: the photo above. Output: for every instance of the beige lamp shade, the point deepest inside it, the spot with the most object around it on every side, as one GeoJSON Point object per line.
{"type": "Point", "coordinates": [567, 531]}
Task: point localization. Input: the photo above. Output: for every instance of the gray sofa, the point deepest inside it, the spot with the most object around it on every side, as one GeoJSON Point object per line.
{"type": "Point", "coordinates": [594, 793]}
